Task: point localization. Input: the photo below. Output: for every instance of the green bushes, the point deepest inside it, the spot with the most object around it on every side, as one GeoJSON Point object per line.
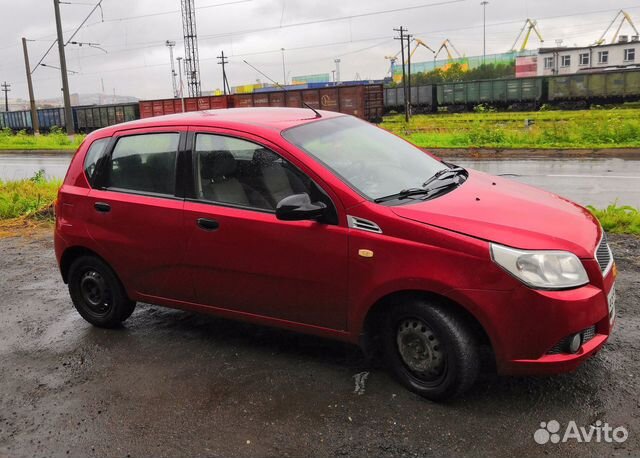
{"type": "Point", "coordinates": [619, 220]}
{"type": "Point", "coordinates": [27, 197]}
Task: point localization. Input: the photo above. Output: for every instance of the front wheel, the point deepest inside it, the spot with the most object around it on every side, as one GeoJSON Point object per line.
{"type": "Point", "coordinates": [430, 349]}
{"type": "Point", "coordinates": [97, 293]}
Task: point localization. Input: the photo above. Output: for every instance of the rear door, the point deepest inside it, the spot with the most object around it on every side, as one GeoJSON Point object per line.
{"type": "Point", "coordinates": [240, 255]}
{"type": "Point", "coordinates": [136, 212]}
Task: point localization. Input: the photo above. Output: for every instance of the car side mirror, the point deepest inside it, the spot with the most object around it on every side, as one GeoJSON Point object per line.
{"type": "Point", "coordinates": [299, 207]}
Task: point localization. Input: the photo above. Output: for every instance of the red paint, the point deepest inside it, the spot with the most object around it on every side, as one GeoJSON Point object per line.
{"type": "Point", "coordinates": [309, 277]}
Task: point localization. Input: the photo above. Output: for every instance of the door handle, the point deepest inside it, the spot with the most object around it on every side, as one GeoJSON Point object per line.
{"type": "Point", "coordinates": [102, 207]}
{"type": "Point", "coordinates": [208, 224]}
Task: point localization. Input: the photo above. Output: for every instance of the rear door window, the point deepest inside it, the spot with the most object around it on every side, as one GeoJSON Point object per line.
{"type": "Point", "coordinates": [144, 163]}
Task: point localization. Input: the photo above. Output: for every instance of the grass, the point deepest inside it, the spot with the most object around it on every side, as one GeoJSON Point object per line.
{"type": "Point", "coordinates": [582, 129]}
{"type": "Point", "coordinates": [29, 198]}
{"type": "Point", "coordinates": [55, 140]}
{"type": "Point", "coordinates": [618, 219]}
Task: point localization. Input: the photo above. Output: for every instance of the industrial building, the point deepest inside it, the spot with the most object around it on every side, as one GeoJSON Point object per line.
{"type": "Point", "coordinates": [565, 60]}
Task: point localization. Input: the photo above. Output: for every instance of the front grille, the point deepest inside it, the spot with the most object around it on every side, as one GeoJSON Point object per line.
{"type": "Point", "coordinates": [603, 254]}
{"type": "Point", "coordinates": [563, 346]}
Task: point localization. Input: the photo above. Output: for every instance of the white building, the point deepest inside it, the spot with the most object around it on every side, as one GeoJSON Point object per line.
{"type": "Point", "coordinates": [564, 60]}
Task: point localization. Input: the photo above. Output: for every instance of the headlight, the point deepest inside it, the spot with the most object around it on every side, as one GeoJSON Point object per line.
{"type": "Point", "coordinates": [541, 269]}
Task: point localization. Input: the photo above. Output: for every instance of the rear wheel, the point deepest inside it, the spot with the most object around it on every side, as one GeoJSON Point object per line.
{"type": "Point", "coordinates": [97, 293]}
{"type": "Point", "coordinates": [430, 349]}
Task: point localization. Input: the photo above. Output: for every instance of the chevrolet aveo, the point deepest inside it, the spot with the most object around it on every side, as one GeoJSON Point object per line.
{"type": "Point", "coordinates": [325, 224]}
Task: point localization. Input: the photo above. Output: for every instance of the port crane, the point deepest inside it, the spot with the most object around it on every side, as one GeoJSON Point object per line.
{"type": "Point", "coordinates": [624, 16]}
{"type": "Point", "coordinates": [393, 59]}
{"type": "Point", "coordinates": [529, 26]}
{"type": "Point", "coordinates": [447, 46]}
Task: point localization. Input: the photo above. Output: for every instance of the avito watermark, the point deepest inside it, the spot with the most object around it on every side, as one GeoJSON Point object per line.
{"type": "Point", "coordinates": [597, 432]}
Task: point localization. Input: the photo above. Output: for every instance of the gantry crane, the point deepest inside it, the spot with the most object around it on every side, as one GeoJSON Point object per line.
{"type": "Point", "coordinates": [624, 16]}
{"type": "Point", "coordinates": [447, 46]}
{"type": "Point", "coordinates": [530, 26]}
{"type": "Point", "coordinates": [393, 59]}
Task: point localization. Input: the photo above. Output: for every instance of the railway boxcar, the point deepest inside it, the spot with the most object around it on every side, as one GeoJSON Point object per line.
{"type": "Point", "coordinates": [16, 120]}
{"type": "Point", "coordinates": [524, 92]}
{"type": "Point", "coordinates": [49, 118]}
{"type": "Point", "coordinates": [423, 98]}
{"type": "Point", "coordinates": [602, 87]}
{"type": "Point", "coordinates": [365, 101]}
{"type": "Point", "coordinates": [89, 118]}
{"type": "Point", "coordinates": [150, 108]}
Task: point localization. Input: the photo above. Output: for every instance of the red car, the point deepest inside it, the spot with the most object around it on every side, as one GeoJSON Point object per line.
{"type": "Point", "coordinates": [322, 223]}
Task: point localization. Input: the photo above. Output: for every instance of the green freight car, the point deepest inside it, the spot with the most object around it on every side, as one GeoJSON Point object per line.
{"type": "Point", "coordinates": [527, 92]}
{"type": "Point", "coordinates": [603, 87]}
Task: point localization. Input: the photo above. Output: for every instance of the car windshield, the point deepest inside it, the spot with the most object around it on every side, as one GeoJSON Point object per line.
{"type": "Point", "coordinates": [369, 159]}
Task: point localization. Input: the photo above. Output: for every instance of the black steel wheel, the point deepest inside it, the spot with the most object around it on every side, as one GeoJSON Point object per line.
{"type": "Point", "coordinates": [97, 293]}
{"type": "Point", "coordinates": [430, 348]}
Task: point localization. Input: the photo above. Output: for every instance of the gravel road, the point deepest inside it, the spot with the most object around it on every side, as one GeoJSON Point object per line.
{"type": "Point", "coordinates": [172, 383]}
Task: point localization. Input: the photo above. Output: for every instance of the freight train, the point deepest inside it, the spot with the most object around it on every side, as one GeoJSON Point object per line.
{"type": "Point", "coordinates": [571, 91]}
{"type": "Point", "coordinates": [362, 100]}
{"type": "Point", "coordinates": [368, 101]}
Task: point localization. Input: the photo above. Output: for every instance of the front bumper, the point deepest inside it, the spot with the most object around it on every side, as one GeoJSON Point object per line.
{"type": "Point", "coordinates": [524, 325]}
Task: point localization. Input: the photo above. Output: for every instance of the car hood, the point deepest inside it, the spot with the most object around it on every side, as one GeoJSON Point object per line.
{"type": "Point", "coordinates": [510, 213]}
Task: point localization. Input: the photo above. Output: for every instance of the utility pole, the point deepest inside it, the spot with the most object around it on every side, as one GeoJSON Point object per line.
{"type": "Point", "coordinates": [223, 60]}
{"type": "Point", "coordinates": [32, 101]}
{"type": "Point", "coordinates": [170, 45]}
{"type": "Point", "coordinates": [68, 116]}
{"type": "Point", "coordinates": [409, 71]}
{"type": "Point", "coordinates": [179, 59]}
{"type": "Point", "coordinates": [284, 71]}
{"type": "Point", "coordinates": [6, 90]}
{"type": "Point", "coordinates": [484, 4]}
{"type": "Point", "coordinates": [337, 62]}
{"type": "Point", "coordinates": [402, 30]}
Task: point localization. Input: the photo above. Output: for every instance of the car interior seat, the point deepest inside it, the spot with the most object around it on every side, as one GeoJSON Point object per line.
{"type": "Point", "coordinates": [277, 180]}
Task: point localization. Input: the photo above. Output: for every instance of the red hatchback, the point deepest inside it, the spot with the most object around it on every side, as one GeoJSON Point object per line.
{"type": "Point", "coordinates": [325, 224]}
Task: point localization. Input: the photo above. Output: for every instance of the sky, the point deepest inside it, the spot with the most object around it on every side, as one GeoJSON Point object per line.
{"type": "Point", "coordinates": [312, 32]}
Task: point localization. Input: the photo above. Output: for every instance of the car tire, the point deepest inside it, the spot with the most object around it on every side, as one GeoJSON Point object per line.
{"type": "Point", "coordinates": [97, 293]}
{"type": "Point", "coordinates": [430, 348]}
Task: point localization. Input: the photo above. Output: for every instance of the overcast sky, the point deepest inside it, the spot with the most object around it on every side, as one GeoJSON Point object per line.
{"type": "Point", "coordinates": [133, 33]}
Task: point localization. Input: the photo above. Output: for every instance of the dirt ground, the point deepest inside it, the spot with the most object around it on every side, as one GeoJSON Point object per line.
{"type": "Point", "coordinates": [172, 383]}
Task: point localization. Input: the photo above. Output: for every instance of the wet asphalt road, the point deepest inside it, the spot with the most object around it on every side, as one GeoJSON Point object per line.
{"type": "Point", "coordinates": [172, 383]}
{"type": "Point", "coordinates": [595, 181]}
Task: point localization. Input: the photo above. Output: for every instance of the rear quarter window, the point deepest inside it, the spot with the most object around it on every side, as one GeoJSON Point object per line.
{"type": "Point", "coordinates": [96, 151]}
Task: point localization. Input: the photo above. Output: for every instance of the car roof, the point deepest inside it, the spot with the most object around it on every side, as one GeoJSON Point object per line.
{"type": "Point", "coordinates": [272, 118]}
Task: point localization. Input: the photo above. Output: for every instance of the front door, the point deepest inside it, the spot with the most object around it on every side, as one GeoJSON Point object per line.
{"type": "Point", "coordinates": [242, 257]}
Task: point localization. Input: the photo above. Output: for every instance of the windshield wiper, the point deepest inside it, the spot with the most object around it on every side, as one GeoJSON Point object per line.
{"type": "Point", "coordinates": [427, 190]}
{"type": "Point", "coordinates": [403, 194]}
{"type": "Point", "coordinates": [442, 174]}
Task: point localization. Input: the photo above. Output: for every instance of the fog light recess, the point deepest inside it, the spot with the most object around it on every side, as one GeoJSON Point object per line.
{"type": "Point", "coordinates": [575, 342]}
